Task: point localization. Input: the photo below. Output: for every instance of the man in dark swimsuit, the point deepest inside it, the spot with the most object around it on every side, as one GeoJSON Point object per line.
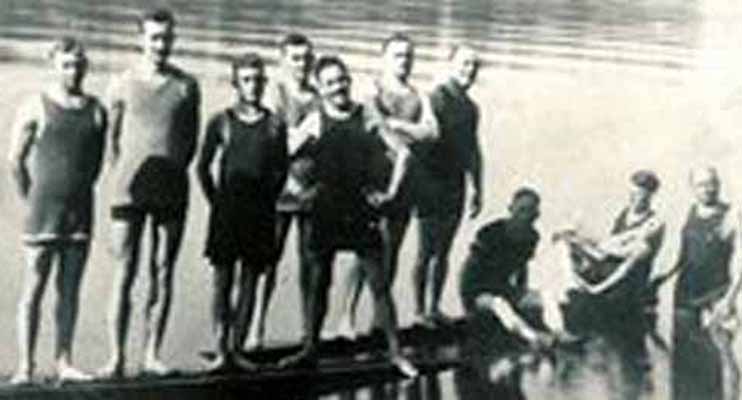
{"type": "Point", "coordinates": [155, 110]}
{"type": "Point", "coordinates": [706, 292]}
{"type": "Point", "coordinates": [56, 158]}
{"type": "Point", "coordinates": [345, 215]}
{"type": "Point", "coordinates": [404, 117]}
{"type": "Point", "coordinates": [252, 171]}
{"type": "Point", "coordinates": [443, 170]}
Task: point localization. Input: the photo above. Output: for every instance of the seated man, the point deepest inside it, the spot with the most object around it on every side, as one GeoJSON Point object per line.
{"type": "Point", "coordinates": [493, 279]}
{"type": "Point", "coordinates": [619, 266]}
{"type": "Point", "coordinates": [612, 277]}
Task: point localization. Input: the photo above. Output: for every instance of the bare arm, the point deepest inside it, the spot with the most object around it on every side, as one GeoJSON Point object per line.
{"type": "Point", "coordinates": [510, 318]}
{"type": "Point", "coordinates": [426, 129]}
{"type": "Point", "coordinates": [308, 130]}
{"type": "Point", "coordinates": [24, 133]}
{"type": "Point", "coordinates": [193, 123]}
{"type": "Point", "coordinates": [101, 121]}
{"type": "Point", "coordinates": [209, 147]}
{"type": "Point", "coordinates": [475, 172]}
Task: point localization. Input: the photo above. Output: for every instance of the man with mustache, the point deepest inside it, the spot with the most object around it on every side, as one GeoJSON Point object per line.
{"type": "Point", "coordinates": [345, 215]}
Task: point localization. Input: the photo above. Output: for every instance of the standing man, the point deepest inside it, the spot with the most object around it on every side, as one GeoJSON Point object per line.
{"type": "Point", "coordinates": [251, 143]}
{"type": "Point", "coordinates": [291, 97]}
{"type": "Point", "coordinates": [706, 293]}
{"type": "Point", "coordinates": [404, 118]}
{"type": "Point", "coordinates": [442, 173]}
{"type": "Point", "coordinates": [345, 213]}
{"type": "Point", "coordinates": [58, 143]}
{"type": "Point", "coordinates": [155, 121]}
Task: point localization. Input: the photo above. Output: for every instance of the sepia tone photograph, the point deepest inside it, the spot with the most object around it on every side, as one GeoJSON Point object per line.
{"type": "Point", "coordinates": [392, 199]}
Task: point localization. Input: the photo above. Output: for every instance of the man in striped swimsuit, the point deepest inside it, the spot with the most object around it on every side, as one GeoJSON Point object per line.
{"type": "Point", "coordinates": [291, 97]}
{"type": "Point", "coordinates": [155, 121]}
{"type": "Point", "coordinates": [56, 158]}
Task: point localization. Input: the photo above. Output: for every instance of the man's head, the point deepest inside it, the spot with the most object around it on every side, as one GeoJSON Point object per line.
{"type": "Point", "coordinates": [157, 28]}
{"type": "Point", "coordinates": [464, 65]}
{"type": "Point", "coordinates": [297, 55]}
{"type": "Point", "coordinates": [525, 206]}
{"type": "Point", "coordinates": [706, 185]}
{"type": "Point", "coordinates": [70, 62]}
{"type": "Point", "coordinates": [399, 54]}
{"type": "Point", "coordinates": [644, 185]}
{"type": "Point", "coordinates": [333, 81]}
{"type": "Point", "coordinates": [248, 77]}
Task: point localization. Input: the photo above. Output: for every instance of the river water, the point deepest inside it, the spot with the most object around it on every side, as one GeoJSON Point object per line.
{"type": "Point", "coordinates": [575, 95]}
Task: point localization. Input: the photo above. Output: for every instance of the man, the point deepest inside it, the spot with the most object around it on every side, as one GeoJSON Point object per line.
{"type": "Point", "coordinates": [706, 293]}
{"type": "Point", "coordinates": [58, 143]}
{"type": "Point", "coordinates": [155, 121]}
{"type": "Point", "coordinates": [252, 171]}
{"type": "Point", "coordinates": [442, 173]}
{"type": "Point", "coordinates": [345, 216]}
{"type": "Point", "coordinates": [612, 279]}
{"type": "Point", "coordinates": [404, 117]}
{"type": "Point", "coordinates": [291, 97]}
{"type": "Point", "coordinates": [503, 316]}
{"type": "Point", "coordinates": [493, 279]}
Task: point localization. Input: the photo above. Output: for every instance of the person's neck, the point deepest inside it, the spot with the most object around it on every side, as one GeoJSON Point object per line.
{"type": "Point", "coordinates": [339, 112]}
{"type": "Point", "coordinates": [707, 210]}
{"type": "Point", "coordinates": [248, 111]}
{"type": "Point", "coordinates": [150, 69]}
{"type": "Point", "coordinates": [69, 97]}
{"type": "Point", "coordinates": [395, 82]}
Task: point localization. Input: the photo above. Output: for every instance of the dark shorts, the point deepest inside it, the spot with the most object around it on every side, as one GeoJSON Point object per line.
{"type": "Point", "coordinates": [138, 212]}
{"type": "Point", "coordinates": [362, 236]}
{"type": "Point", "coordinates": [241, 231]}
{"type": "Point", "coordinates": [434, 197]}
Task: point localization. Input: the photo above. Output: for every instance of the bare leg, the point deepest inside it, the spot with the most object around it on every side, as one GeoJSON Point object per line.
{"type": "Point", "coordinates": [127, 237]}
{"type": "Point", "coordinates": [350, 294]}
{"type": "Point", "coordinates": [428, 238]}
{"type": "Point", "coordinates": [257, 336]}
{"type": "Point", "coordinates": [167, 239]}
{"type": "Point", "coordinates": [384, 308]}
{"type": "Point", "coordinates": [320, 269]}
{"type": "Point", "coordinates": [38, 265]}
{"type": "Point", "coordinates": [449, 226]}
{"type": "Point", "coordinates": [244, 314]}
{"type": "Point", "coordinates": [73, 258]}
{"type": "Point", "coordinates": [221, 312]}
{"type": "Point", "coordinates": [395, 228]}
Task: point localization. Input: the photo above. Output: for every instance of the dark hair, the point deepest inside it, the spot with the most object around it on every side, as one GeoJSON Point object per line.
{"type": "Point", "coordinates": [247, 60]}
{"type": "Point", "coordinates": [159, 15]}
{"type": "Point", "coordinates": [66, 44]}
{"type": "Point", "coordinates": [526, 192]}
{"type": "Point", "coordinates": [328, 61]}
{"type": "Point", "coordinates": [395, 37]}
{"type": "Point", "coordinates": [646, 179]}
{"type": "Point", "coordinates": [294, 39]}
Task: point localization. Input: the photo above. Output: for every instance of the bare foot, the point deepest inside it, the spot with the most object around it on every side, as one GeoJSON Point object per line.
{"type": "Point", "coordinates": [113, 370]}
{"type": "Point", "coordinates": [68, 373]}
{"type": "Point", "coordinates": [254, 343]}
{"type": "Point", "coordinates": [243, 363]}
{"type": "Point", "coordinates": [303, 359]}
{"type": "Point", "coordinates": [346, 330]}
{"type": "Point", "coordinates": [21, 377]}
{"type": "Point", "coordinates": [156, 367]}
{"type": "Point", "coordinates": [405, 367]}
{"type": "Point", "coordinates": [220, 363]}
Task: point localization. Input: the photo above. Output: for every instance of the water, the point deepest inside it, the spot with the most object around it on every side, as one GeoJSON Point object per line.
{"type": "Point", "coordinates": [575, 95]}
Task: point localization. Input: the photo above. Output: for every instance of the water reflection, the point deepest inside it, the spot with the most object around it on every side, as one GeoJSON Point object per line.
{"type": "Point", "coordinates": [704, 363]}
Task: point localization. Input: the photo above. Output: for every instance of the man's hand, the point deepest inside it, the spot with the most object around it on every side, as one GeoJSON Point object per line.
{"type": "Point", "coordinates": [724, 309]}
{"type": "Point", "coordinates": [23, 182]}
{"type": "Point", "coordinates": [475, 204]}
{"type": "Point", "coordinates": [379, 199]}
